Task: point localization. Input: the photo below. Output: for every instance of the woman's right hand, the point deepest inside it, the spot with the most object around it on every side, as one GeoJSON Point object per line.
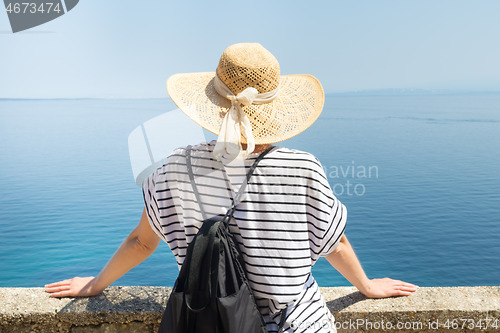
{"type": "Point", "coordinates": [386, 287]}
{"type": "Point", "coordinates": [75, 287]}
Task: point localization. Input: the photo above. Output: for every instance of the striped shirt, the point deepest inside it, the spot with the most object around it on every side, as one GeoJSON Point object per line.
{"type": "Point", "coordinates": [288, 218]}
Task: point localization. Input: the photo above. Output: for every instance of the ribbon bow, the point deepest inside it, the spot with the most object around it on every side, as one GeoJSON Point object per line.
{"type": "Point", "coordinates": [236, 122]}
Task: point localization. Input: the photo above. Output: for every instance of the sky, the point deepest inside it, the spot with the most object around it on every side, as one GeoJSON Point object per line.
{"type": "Point", "coordinates": [128, 49]}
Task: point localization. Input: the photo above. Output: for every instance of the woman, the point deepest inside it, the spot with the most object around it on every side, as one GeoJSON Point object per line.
{"type": "Point", "coordinates": [289, 216]}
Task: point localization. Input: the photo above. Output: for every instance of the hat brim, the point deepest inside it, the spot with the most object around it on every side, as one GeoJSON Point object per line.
{"type": "Point", "coordinates": [299, 103]}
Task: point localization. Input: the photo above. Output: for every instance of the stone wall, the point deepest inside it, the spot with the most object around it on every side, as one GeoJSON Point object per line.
{"type": "Point", "coordinates": [139, 309]}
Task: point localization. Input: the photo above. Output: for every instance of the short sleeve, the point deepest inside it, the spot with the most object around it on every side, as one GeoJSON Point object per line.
{"type": "Point", "coordinates": [327, 216]}
{"type": "Point", "coordinates": [151, 204]}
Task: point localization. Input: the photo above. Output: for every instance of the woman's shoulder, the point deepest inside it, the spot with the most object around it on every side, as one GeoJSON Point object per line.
{"type": "Point", "coordinates": [295, 152]}
{"type": "Point", "coordinates": [178, 155]}
{"type": "Point", "coordinates": [300, 156]}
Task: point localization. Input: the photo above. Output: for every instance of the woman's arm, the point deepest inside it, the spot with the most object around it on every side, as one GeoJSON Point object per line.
{"type": "Point", "coordinates": [139, 245]}
{"type": "Point", "coordinates": [344, 260]}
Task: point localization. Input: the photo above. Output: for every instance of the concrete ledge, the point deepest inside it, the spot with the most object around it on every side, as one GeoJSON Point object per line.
{"type": "Point", "coordinates": [139, 309]}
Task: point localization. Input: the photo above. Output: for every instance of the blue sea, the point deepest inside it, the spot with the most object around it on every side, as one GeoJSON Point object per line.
{"type": "Point", "coordinates": [419, 175]}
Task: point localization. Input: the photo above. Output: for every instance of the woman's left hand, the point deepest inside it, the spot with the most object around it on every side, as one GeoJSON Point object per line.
{"type": "Point", "coordinates": [386, 287]}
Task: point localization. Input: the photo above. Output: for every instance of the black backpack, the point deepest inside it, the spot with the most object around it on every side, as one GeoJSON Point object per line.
{"type": "Point", "coordinates": [212, 293]}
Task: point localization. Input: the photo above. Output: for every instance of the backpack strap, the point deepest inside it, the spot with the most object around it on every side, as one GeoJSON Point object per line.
{"type": "Point", "coordinates": [191, 178]}
{"type": "Point", "coordinates": [237, 197]}
{"type": "Point", "coordinates": [282, 320]}
{"type": "Point", "coordinates": [241, 190]}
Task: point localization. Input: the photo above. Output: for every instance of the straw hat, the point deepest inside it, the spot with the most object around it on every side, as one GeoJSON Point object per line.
{"type": "Point", "coordinates": [288, 103]}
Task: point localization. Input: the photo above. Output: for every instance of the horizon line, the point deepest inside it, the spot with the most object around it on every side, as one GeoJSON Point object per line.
{"type": "Point", "coordinates": [387, 92]}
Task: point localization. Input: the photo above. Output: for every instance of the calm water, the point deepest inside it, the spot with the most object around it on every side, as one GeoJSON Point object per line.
{"type": "Point", "coordinates": [420, 176]}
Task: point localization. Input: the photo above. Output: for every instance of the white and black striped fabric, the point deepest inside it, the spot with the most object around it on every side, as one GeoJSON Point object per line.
{"type": "Point", "coordinates": [287, 219]}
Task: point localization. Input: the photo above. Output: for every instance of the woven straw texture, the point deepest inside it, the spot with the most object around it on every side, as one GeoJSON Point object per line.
{"type": "Point", "coordinates": [248, 65]}
{"type": "Point", "coordinates": [299, 102]}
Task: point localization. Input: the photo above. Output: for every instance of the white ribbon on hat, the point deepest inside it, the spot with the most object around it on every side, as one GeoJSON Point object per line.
{"type": "Point", "coordinates": [236, 122]}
